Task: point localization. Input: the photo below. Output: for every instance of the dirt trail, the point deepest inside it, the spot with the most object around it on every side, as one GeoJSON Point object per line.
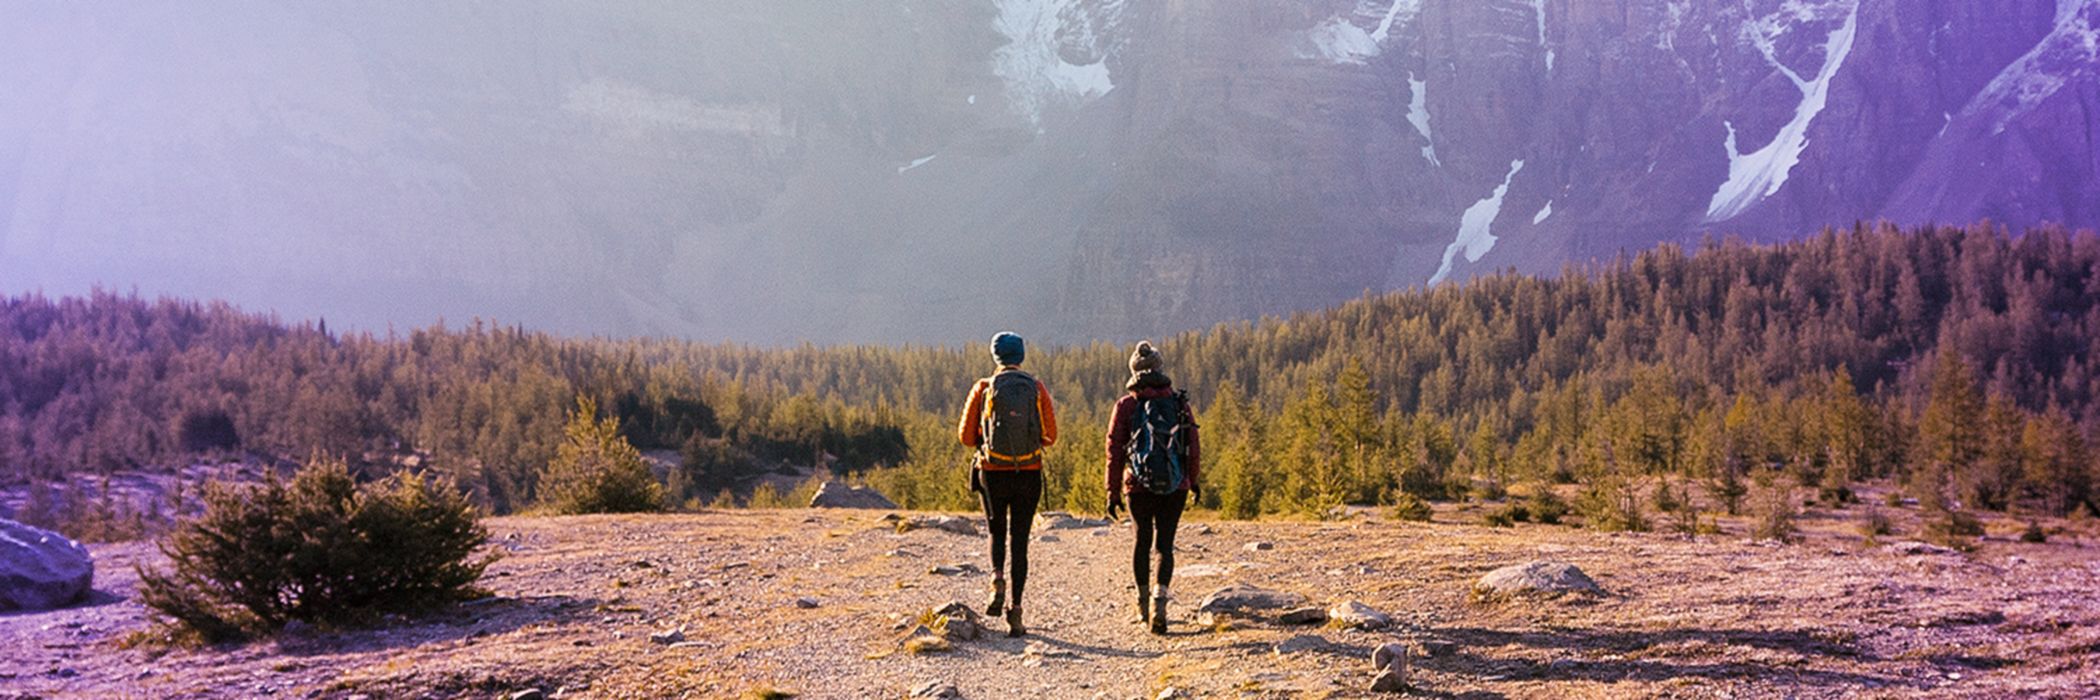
{"type": "Point", "coordinates": [577, 599]}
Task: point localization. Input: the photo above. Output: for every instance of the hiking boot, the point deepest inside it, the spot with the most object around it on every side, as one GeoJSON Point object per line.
{"type": "Point", "coordinates": [1144, 606]}
{"type": "Point", "coordinates": [1158, 617]}
{"type": "Point", "coordinates": [1013, 622]}
{"type": "Point", "coordinates": [996, 606]}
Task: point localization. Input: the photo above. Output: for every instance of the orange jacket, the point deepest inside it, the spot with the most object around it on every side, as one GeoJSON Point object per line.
{"type": "Point", "coordinates": [970, 429]}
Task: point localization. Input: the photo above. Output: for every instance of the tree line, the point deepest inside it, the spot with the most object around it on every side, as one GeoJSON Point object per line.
{"type": "Point", "coordinates": [1952, 360]}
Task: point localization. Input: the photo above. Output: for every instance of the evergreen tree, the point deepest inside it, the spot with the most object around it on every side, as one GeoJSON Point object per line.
{"type": "Point", "coordinates": [1950, 432]}
{"type": "Point", "coordinates": [596, 471]}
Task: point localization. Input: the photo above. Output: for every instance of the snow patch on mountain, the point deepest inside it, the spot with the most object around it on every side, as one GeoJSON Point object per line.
{"type": "Point", "coordinates": [1538, 9]}
{"type": "Point", "coordinates": [916, 162]}
{"type": "Point", "coordinates": [1544, 213]}
{"type": "Point", "coordinates": [1345, 40]}
{"type": "Point", "coordinates": [1418, 115]}
{"type": "Point", "coordinates": [1759, 174]}
{"type": "Point", "coordinates": [1475, 237]}
{"type": "Point", "coordinates": [1035, 72]}
{"type": "Point", "coordinates": [1338, 41]}
{"type": "Point", "coordinates": [618, 104]}
{"type": "Point", "coordinates": [1400, 11]}
{"type": "Point", "coordinates": [2070, 50]}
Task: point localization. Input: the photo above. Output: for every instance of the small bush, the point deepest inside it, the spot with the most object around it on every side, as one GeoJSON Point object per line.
{"type": "Point", "coordinates": [1489, 491]}
{"type": "Point", "coordinates": [597, 471]}
{"type": "Point", "coordinates": [1876, 524]}
{"type": "Point", "coordinates": [1894, 499]}
{"type": "Point", "coordinates": [1410, 508]}
{"type": "Point", "coordinates": [1546, 506]}
{"type": "Point", "coordinates": [2034, 534]}
{"type": "Point", "coordinates": [1498, 518]}
{"type": "Point", "coordinates": [1952, 528]}
{"type": "Point", "coordinates": [1775, 511]}
{"type": "Point", "coordinates": [1665, 499]}
{"type": "Point", "coordinates": [320, 550]}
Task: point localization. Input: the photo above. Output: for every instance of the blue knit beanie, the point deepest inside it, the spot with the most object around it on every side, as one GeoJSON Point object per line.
{"type": "Point", "coordinates": [1007, 348]}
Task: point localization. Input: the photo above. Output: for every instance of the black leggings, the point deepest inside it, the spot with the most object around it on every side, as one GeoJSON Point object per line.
{"type": "Point", "coordinates": [1156, 517]}
{"type": "Point", "coordinates": [1010, 499]}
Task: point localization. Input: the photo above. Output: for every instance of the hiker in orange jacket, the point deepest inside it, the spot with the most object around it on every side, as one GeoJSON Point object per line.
{"type": "Point", "coordinates": [1009, 420]}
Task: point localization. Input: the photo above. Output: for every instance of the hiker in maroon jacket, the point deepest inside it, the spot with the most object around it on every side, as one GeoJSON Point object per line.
{"type": "Point", "coordinates": [1154, 462]}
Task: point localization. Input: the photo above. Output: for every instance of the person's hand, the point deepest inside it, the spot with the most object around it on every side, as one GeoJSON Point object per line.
{"type": "Point", "coordinates": [1196, 492]}
{"type": "Point", "coordinates": [1115, 507]}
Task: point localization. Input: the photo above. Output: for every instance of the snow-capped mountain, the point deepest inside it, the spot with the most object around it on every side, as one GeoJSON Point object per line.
{"type": "Point", "coordinates": [933, 170]}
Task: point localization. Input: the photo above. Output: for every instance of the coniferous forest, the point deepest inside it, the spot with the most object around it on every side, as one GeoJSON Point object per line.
{"type": "Point", "coordinates": [1955, 362]}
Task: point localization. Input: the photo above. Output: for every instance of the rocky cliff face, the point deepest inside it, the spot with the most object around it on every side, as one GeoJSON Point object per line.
{"type": "Point", "coordinates": [933, 169]}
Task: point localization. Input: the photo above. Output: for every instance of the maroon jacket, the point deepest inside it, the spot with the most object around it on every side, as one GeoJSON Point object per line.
{"type": "Point", "coordinates": [1119, 436]}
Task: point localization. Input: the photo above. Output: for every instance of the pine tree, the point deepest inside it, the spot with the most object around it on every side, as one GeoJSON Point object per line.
{"type": "Point", "coordinates": [596, 470]}
{"type": "Point", "coordinates": [1950, 432]}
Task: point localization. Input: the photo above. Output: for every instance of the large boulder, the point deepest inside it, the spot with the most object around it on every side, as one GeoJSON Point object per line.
{"type": "Point", "coordinates": [833, 494]}
{"type": "Point", "coordinates": [41, 570]}
{"type": "Point", "coordinates": [1540, 579]}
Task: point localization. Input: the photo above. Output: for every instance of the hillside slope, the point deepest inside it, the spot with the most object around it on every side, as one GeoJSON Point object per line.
{"type": "Point", "coordinates": [577, 598]}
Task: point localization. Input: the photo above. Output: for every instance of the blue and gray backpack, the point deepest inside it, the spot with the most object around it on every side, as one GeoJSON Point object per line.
{"type": "Point", "coordinates": [1158, 444]}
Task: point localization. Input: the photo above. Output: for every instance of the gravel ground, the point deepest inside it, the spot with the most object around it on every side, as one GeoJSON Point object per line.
{"type": "Point", "coordinates": [576, 600]}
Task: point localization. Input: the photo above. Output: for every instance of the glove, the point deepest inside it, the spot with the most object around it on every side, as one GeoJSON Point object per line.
{"type": "Point", "coordinates": [1115, 507]}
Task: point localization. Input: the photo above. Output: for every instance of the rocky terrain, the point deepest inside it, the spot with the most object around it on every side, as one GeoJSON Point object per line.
{"type": "Point", "coordinates": [819, 603]}
{"type": "Point", "coordinates": [772, 171]}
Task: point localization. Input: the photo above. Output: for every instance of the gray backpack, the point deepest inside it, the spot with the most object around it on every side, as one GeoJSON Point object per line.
{"type": "Point", "coordinates": [1012, 422]}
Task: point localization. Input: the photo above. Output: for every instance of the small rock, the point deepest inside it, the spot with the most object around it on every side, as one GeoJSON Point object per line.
{"type": "Point", "coordinates": [1205, 529]}
{"type": "Point", "coordinates": [1046, 537]}
{"type": "Point", "coordinates": [805, 602]}
{"type": "Point", "coordinates": [1172, 693]}
{"type": "Point", "coordinates": [1359, 616]}
{"type": "Point", "coordinates": [668, 637]}
{"type": "Point", "coordinates": [1260, 546]}
{"type": "Point", "coordinates": [945, 523]}
{"type": "Point", "coordinates": [954, 569]}
{"type": "Point", "coordinates": [1302, 643]}
{"type": "Point", "coordinates": [1059, 520]}
{"type": "Point", "coordinates": [528, 694]}
{"type": "Point", "coordinates": [1917, 548]}
{"type": "Point", "coordinates": [1241, 598]}
{"type": "Point", "coordinates": [935, 690]}
{"type": "Point", "coordinates": [1548, 579]}
{"type": "Point", "coordinates": [1306, 615]}
{"type": "Point", "coordinates": [1389, 655]}
{"type": "Point", "coordinates": [964, 624]}
{"type": "Point", "coordinates": [832, 494]}
{"type": "Point", "coordinates": [1435, 648]}
{"type": "Point", "coordinates": [1390, 681]}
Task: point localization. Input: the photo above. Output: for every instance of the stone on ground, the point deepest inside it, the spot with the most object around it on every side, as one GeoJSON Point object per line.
{"type": "Point", "coordinates": [1389, 655]}
{"type": "Point", "coordinates": [1303, 615]}
{"type": "Point", "coordinates": [935, 690]}
{"type": "Point", "coordinates": [964, 624]}
{"type": "Point", "coordinates": [1390, 681]}
{"type": "Point", "coordinates": [1359, 616]}
{"type": "Point", "coordinates": [1060, 520]}
{"type": "Point", "coordinates": [41, 570]}
{"type": "Point", "coordinates": [1542, 579]}
{"type": "Point", "coordinates": [1240, 598]}
{"type": "Point", "coordinates": [805, 602]}
{"type": "Point", "coordinates": [833, 494]}
{"type": "Point", "coordinates": [1301, 643]}
{"type": "Point", "coordinates": [1260, 546]}
{"type": "Point", "coordinates": [948, 523]}
{"type": "Point", "coordinates": [667, 637]}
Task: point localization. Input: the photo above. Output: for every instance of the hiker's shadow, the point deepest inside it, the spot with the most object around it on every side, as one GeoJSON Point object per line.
{"type": "Point", "coordinates": [474, 619]}
{"type": "Point", "coordinates": [1611, 656]}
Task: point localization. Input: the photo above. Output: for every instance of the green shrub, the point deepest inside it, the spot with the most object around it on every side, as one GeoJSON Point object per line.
{"type": "Point", "coordinates": [1876, 524]}
{"type": "Point", "coordinates": [319, 550]}
{"type": "Point", "coordinates": [1498, 518]}
{"type": "Point", "coordinates": [1952, 528]}
{"type": "Point", "coordinates": [597, 471]}
{"type": "Point", "coordinates": [1546, 506]}
{"type": "Point", "coordinates": [2034, 534]}
{"type": "Point", "coordinates": [1410, 508]}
